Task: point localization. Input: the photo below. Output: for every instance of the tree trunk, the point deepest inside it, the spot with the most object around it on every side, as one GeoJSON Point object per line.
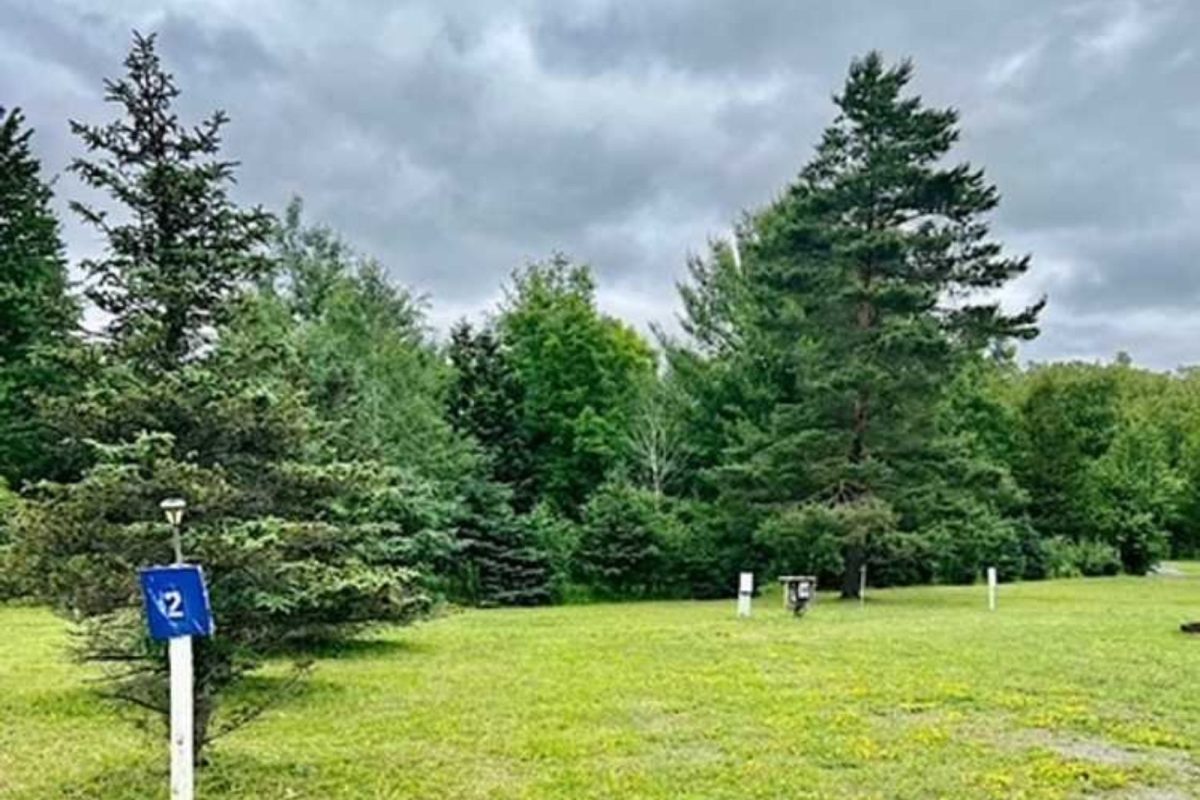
{"type": "Point", "coordinates": [862, 419]}
{"type": "Point", "coordinates": [853, 557]}
{"type": "Point", "coordinates": [854, 554]}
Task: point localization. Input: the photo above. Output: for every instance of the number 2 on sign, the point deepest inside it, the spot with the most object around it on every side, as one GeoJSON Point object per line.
{"type": "Point", "coordinates": [173, 600]}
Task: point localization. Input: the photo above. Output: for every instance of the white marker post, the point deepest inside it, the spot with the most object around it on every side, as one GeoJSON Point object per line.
{"type": "Point", "coordinates": [177, 609]}
{"type": "Point", "coordinates": [745, 593]}
{"type": "Point", "coordinates": [179, 656]}
{"type": "Point", "coordinates": [183, 775]}
{"type": "Point", "coordinates": [991, 575]}
{"type": "Point", "coordinates": [862, 585]}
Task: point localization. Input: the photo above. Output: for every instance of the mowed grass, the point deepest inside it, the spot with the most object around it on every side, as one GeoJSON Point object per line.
{"type": "Point", "coordinates": [1072, 688]}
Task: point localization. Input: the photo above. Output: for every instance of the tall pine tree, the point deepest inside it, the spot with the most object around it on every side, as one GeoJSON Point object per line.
{"type": "Point", "coordinates": [861, 289]}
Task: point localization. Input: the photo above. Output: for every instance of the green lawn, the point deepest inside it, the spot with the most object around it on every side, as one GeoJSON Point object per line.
{"type": "Point", "coordinates": [1073, 688]}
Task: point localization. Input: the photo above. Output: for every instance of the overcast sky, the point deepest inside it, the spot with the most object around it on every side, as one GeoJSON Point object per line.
{"type": "Point", "coordinates": [457, 140]}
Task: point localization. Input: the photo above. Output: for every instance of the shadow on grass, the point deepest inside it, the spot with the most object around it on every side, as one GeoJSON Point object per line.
{"type": "Point", "coordinates": [132, 778]}
{"type": "Point", "coordinates": [77, 701]}
{"type": "Point", "coordinates": [242, 775]}
{"type": "Point", "coordinates": [332, 650]}
{"type": "Point", "coordinates": [254, 695]}
{"type": "Point", "coordinates": [147, 775]}
{"type": "Point", "coordinates": [279, 690]}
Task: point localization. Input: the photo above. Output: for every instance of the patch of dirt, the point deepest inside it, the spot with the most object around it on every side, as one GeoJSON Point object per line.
{"type": "Point", "coordinates": [1151, 793]}
{"type": "Point", "coordinates": [1097, 751]}
{"type": "Point", "coordinates": [1100, 751]}
{"type": "Point", "coordinates": [1082, 749]}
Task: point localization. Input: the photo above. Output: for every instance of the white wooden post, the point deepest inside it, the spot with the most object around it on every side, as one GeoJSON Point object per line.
{"type": "Point", "coordinates": [182, 767]}
{"type": "Point", "coordinates": [179, 656]}
{"type": "Point", "coordinates": [745, 593]}
{"type": "Point", "coordinates": [991, 575]}
{"type": "Point", "coordinates": [862, 584]}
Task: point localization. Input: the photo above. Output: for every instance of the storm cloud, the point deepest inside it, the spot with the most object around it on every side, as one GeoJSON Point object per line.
{"type": "Point", "coordinates": [456, 140]}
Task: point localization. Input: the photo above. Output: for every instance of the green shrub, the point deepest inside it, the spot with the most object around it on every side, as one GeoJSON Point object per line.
{"type": "Point", "coordinates": [11, 585]}
{"type": "Point", "coordinates": [963, 547]}
{"type": "Point", "coordinates": [1067, 559]}
{"type": "Point", "coordinates": [711, 544]}
{"type": "Point", "coordinates": [557, 539]}
{"type": "Point", "coordinates": [803, 540]}
{"type": "Point", "coordinates": [900, 558]}
{"type": "Point", "coordinates": [625, 543]}
{"type": "Point", "coordinates": [1096, 558]}
{"type": "Point", "coordinates": [815, 538]}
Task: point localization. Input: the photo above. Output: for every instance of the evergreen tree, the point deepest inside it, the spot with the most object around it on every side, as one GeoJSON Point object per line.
{"type": "Point", "coordinates": [860, 292]}
{"type": "Point", "coordinates": [381, 392]}
{"type": "Point", "coordinates": [310, 261]}
{"type": "Point", "coordinates": [724, 369]}
{"type": "Point", "coordinates": [197, 393]}
{"type": "Point", "coordinates": [179, 255]}
{"type": "Point", "coordinates": [374, 379]}
{"type": "Point", "coordinates": [624, 543]}
{"type": "Point", "coordinates": [497, 560]}
{"type": "Point", "coordinates": [485, 402]}
{"type": "Point", "coordinates": [184, 249]}
{"type": "Point", "coordinates": [500, 561]}
{"type": "Point", "coordinates": [37, 315]}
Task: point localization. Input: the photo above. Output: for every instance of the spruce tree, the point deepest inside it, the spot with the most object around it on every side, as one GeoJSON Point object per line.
{"type": "Point", "coordinates": [498, 560]}
{"type": "Point", "coordinates": [183, 249]}
{"type": "Point", "coordinates": [37, 315]}
{"type": "Point", "coordinates": [196, 394]}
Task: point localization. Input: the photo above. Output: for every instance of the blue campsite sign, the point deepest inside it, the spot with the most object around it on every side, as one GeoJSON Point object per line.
{"type": "Point", "coordinates": [176, 601]}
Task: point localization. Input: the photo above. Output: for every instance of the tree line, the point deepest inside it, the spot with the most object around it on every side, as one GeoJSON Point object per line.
{"type": "Point", "coordinates": [843, 396]}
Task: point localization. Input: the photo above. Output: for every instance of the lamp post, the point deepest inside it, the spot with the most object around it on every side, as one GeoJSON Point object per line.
{"type": "Point", "coordinates": [179, 654]}
{"type": "Point", "coordinates": [173, 508]}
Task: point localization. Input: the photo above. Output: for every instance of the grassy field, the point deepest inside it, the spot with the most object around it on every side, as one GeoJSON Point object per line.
{"type": "Point", "coordinates": [1073, 688]}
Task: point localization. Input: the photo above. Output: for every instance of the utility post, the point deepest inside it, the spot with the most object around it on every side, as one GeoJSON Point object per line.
{"type": "Point", "coordinates": [177, 609]}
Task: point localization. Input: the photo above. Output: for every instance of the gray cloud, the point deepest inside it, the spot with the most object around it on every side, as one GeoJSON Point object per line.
{"type": "Point", "coordinates": [456, 141]}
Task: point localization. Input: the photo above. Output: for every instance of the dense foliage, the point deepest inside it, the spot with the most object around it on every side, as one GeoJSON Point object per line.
{"type": "Point", "coordinates": [844, 401]}
{"type": "Point", "coordinates": [579, 371]}
{"type": "Point", "coordinates": [36, 314]}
